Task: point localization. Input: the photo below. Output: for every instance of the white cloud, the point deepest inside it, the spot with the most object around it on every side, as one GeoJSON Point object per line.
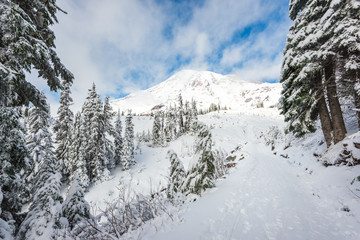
{"type": "Point", "coordinates": [265, 69]}
{"type": "Point", "coordinates": [110, 42]}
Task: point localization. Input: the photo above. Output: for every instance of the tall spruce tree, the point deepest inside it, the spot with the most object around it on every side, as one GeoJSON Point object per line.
{"type": "Point", "coordinates": [63, 130]}
{"type": "Point", "coordinates": [118, 141]}
{"type": "Point", "coordinates": [27, 42]}
{"type": "Point", "coordinates": [310, 68]}
{"type": "Point", "coordinates": [202, 175]}
{"type": "Point", "coordinates": [127, 157]}
{"type": "Point", "coordinates": [75, 208]}
{"type": "Point", "coordinates": [78, 165]}
{"type": "Point", "coordinates": [180, 115]}
{"type": "Point", "coordinates": [156, 130]}
{"type": "Point", "coordinates": [93, 147]}
{"type": "Point", "coordinates": [13, 159]}
{"type": "Point", "coordinates": [42, 218]}
{"type": "Point", "coordinates": [177, 175]}
{"type": "Point", "coordinates": [37, 138]}
{"type": "Point", "coordinates": [108, 131]}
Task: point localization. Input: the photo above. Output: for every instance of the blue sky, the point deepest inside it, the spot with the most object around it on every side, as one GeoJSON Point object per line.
{"type": "Point", "coordinates": [127, 45]}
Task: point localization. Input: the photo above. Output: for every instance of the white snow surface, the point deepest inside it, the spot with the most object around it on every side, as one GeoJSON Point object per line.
{"type": "Point", "coordinates": [206, 88]}
{"type": "Point", "coordinates": [270, 194]}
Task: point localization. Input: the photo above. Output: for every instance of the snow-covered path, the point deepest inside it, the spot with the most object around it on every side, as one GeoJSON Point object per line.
{"type": "Point", "coordinates": [264, 198]}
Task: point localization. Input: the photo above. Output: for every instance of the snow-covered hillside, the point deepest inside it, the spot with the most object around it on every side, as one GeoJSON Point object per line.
{"type": "Point", "coordinates": [278, 189]}
{"type": "Point", "coordinates": [206, 88]}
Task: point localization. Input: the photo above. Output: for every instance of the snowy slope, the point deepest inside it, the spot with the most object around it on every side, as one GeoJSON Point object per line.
{"type": "Point", "coordinates": [206, 88]}
{"type": "Point", "coordinates": [279, 194]}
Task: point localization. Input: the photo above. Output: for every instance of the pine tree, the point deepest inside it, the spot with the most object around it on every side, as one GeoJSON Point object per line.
{"type": "Point", "coordinates": [6, 231]}
{"type": "Point", "coordinates": [310, 68]}
{"type": "Point", "coordinates": [27, 43]}
{"type": "Point", "coordinates": [78, 165]}
{"type": "Point", "coordinates": [187, 114]}
{"type": "Point", "coordinates": [118, 141]}
{"type": "Point", "coordinates": [41, 220]}
{"type": "Point", "coordinates": [156, 130]}
{"type": "Point", "coordinates": [177, 175]}
{"type": "Point", "coordinates": [127, 157]}
{"type": "Point", "coordinates": [180, 115]}
{"type": "Point", "coordinates": [202, 174]}
{"type": "Point", "coordinates": [75, 208]}
{"type": "Point", "coordinates": [108, 131]}
{"type": "Point", "coordinates": [13, 159]}
{"type": "Point", "coordinates": [63, 131]}
{"type": "Point", "coordinates": [93, 147]}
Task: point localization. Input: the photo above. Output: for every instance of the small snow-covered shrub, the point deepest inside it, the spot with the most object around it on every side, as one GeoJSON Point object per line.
{"type": "Point", "coordinates": [126, 213]}
{"type": "Point", "coordinates": [272, 136]}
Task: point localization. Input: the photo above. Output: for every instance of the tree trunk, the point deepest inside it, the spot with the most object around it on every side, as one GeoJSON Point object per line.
{"type": "Point", "coordinates": [325, 120]}
{"type": "Point", "coordinates": [357, 97]}
{"type": "Point", "coordinates": [339, 129]}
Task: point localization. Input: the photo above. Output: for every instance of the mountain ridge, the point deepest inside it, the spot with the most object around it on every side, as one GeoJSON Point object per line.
{"type": "Point", "coordinates": [205, 88]}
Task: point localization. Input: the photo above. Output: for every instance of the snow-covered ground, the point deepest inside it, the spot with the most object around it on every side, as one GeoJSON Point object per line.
{"type": "Point", "coordinates": [271, 194]}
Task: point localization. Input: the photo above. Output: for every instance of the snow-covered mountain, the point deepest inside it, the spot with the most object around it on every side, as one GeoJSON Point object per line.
{"type": "Point", "coordinates": [206, 88]}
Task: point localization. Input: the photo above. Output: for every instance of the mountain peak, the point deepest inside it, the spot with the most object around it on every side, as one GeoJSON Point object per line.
{"type": "Point", "coordinates": [206, 88]}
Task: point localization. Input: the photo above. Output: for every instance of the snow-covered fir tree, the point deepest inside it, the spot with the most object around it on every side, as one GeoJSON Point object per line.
{"type": "Point", "coordinates": [118, 141]}
{"type": "Point", "coordinates": [109, 130]}
{"type": "Point", "coordinates": [44, 211]}
{"type": "Point", "coordinates": [93, 146]}
{"type": "Point", "coordinates": [27, 43]}
{"type": "Point", "coordinates": [194, 117]}
{"type": "Point", "coordinates": [127, 158]}
{"type": "Point", "coordinates": [162, 129]}
{"type": "Point", "coordinates": [187, 114]}
{"type": "Point", "coordinates": [78, 165]}
{"type": "Point", "coordinates": [156, 130]}
{"type": "Point", "coordinates": [180, 115]}
{"type": "Point", "coordinates": [170, 126]}
{"type": "Point", "coordinates": [315, 54]}
{"type": "Point", "coordinates": [37, 137]}
{"type": "Point", "coordinates": [177, 175]}
{"type": "Point", "coordinates": [6, 231]}
{"type": "Point", "coordinates": [202, 175]}
{"type": "Point", "coordinates": [63, 130]}
{"type": "Point", "coordinates": [75, 208]}
{"type": "Point", "coordinates": [13, 159]}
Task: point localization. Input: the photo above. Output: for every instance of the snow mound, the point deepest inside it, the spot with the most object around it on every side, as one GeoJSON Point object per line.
{"type": "Point", "coordinates": [346, 152]}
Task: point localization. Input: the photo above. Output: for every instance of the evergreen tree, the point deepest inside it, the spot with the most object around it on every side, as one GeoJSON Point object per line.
{"type": "Point", "coordinates": [118, 141]}
{"type": "Point", "coordinates": [41, 220]}
{"type": "Point", "coordinates": [108, 131]}
{"type": "Point", "coordinates": [127, 157]}
{"type": "Point", "coordinates": [79, 135]}
{"type": "Point", "coordinates": [187, 116]}
{"type": "Point", "coordinates": [177, 175]}
{"type": "Point", "coordinates": [170, 127]}
{"type": "Point", "coordinates": [194, 117]}
{"type": "Point", "coordinates": [93, 147]}
{"type": "Point", "coordinates": [310, 68]}
{"type": "Point", "coordinates": [63, 131]}
{"type": "Point", "coordinates": [180, 115]}
{"type": "Point", "coordinates": [27, 42]}
{"type": "Point", "coordinates": [75, 208]}
{"type": "Point", "coordinates": [13, 159]}
{"type": "Point", "coordinates": [156, 130]}
{"type": "Point", "coordinates": [6, 232]}
{"type": "Point", "coordinates": [202, 174]}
